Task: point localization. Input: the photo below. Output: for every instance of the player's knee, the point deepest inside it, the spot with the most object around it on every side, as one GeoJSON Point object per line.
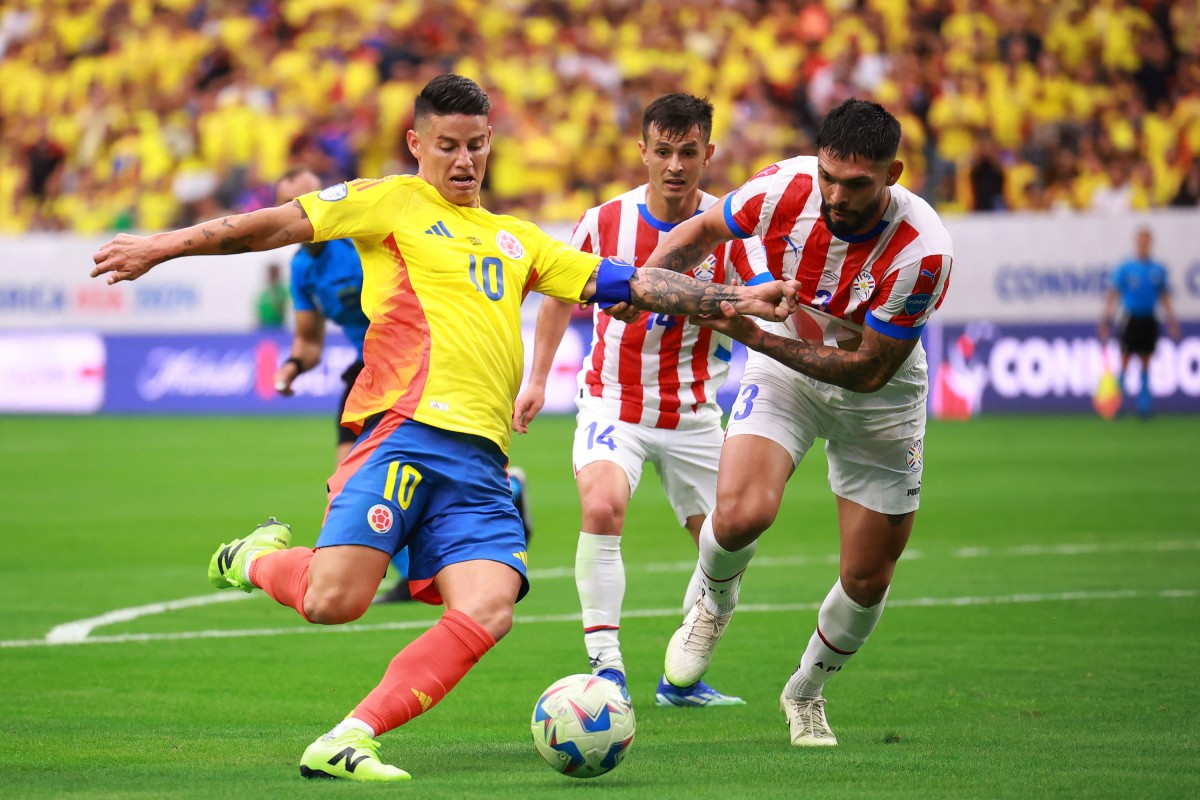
{"type": "Point", "coordinates": [866, 590]}
{"type": "Point", "coordinates": [496, 620]}
{"type": "Point", "coordinates": [333, 607]}
{"type": "Point", "coordinates": [742, 519]}
{"type": "Point", "coordinates": [603, 514]}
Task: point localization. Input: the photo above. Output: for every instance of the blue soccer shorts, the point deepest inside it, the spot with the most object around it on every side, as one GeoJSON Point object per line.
{"type": "Point", "coordinates": [444, 495]}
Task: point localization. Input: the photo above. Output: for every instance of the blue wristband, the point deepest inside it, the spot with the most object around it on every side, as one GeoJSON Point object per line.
{"type": "Point", "coordinates": [612, 282]}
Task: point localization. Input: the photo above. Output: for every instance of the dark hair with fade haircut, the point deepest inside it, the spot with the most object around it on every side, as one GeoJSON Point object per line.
{"type": "Point", "coordinates": [860, 128]}
{"type": "Point", "coordinates": [451, 94]}
{"type": "Point", "coordinates": [675, 114]}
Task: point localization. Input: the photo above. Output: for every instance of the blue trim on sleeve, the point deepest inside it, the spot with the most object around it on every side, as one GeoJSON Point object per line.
{"type": "Point", "coordinates": [762, 277]}
{"type": "Point", "coordinates": [902, 332]}
{"type": "Point", "coordinates": [612, 282]}
{"type": "Point", "coordinates": [734, 228]}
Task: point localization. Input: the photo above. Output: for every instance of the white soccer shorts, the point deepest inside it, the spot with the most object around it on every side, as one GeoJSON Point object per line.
{"type": "Point", "coordinates": [874, 442]}
{"type": "Point", "coordinates": [686, 460]}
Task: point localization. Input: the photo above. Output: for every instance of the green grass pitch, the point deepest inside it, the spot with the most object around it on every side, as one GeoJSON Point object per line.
{"type": "Point", "coordinates": [1042, 638]}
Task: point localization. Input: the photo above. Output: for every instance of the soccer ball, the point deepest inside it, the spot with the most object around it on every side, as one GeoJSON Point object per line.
{"type": "Point", "coordinates": [582, 725]}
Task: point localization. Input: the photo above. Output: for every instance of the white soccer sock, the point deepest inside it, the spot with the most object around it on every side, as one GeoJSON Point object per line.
{"type": "Point", "coordinates": [600, 579]}
{"type": "Point", "coordinates": [349, 723]}
{"type": "Point", "coordinates": [721, 570]}
{"type": "Point", "coordinates": [693, 588]}
{"type": "Point", "coordinates": [842, 628]}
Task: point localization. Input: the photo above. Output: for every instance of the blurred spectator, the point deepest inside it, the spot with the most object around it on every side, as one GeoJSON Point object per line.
{"type": "Point", "coordinates": [188, 102]}
{"type": "Point", "coordinates": [273, 300]}
{"type": "Point", "coordinates": [1189, 188]}
{"type": "Point", "coordinates": [987, 176]}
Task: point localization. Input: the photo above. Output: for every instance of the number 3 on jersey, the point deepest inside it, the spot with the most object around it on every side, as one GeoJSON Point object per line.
{"type": "Point", "coordinates": [604, 437]}
{"type": "Point", "coordinates": [746, 399]}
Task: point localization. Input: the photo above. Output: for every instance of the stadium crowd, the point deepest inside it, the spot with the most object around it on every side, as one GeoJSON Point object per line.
{"type": "Point", "coordinates": [147, 114]}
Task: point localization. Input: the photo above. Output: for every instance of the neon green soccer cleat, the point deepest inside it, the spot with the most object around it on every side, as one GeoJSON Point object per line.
{"type": "Point", "coordinates": [228, 566]}
{"type": "Point", "coordinates": [353, 756]}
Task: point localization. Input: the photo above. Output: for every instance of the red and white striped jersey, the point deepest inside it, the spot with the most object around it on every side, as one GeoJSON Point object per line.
{"type": "Point", "coordinates": [891, 278]}
{"type": "Point", "coordinates": [660, 371]}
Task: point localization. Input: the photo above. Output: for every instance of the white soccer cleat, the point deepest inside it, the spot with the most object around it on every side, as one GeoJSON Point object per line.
{"type": "Point", "coordinates": [691, 647]}
{"type": "Point", "coordinates": [806, 719]}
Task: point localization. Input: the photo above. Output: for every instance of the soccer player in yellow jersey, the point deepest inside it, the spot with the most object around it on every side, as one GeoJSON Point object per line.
{"type": "Point", "coordinates": [443, 284]}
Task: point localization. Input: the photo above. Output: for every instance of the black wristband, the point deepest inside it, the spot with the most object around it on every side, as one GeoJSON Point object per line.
{"type": "Point", "coordinates": [300, 368]}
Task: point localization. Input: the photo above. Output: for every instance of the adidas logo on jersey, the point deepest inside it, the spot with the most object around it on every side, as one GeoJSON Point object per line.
{"type": "Point", "coordinates": [440, 229]}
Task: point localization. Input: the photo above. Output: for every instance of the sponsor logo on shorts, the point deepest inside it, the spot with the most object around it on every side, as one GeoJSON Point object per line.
{"type": "Point", "coordinates": [864, 286]}
{"type": "Point", "coordinates": [331, 194]}
{"type": "Point", "coordinates": [915, 491]}
{"type": "Point", "coordinates": [510, 245]}
{"type": "Point", "coordinates": [915, 456]}
{"type": "Point", "coordinates": [380, 518]}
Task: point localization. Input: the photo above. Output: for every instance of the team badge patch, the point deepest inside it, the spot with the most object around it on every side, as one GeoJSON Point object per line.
{"type": "Point", "coordinates": [510, 245]}
{"type": "Point", "coordinates": [379, 517]}
{"type": "Point", "coordinates": [331, 194]}
{"type": "Point", "coordinates": [915, 456]}
{"type": "Point", "coordinates": [864, 286]}
{"type": "Point", "coordinates": [706, 270]}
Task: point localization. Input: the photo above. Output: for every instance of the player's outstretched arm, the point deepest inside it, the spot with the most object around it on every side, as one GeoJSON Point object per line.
{"type": "Point", "coordinates": [552, 321]}
{"type": "Point", "coordinates": [867, 369]}
{"type": "Point", "coordinates": [667, 292]}
{"type": "Point", "coordinates": [685, 246]}
{"type": "Point", "coordinates": [127, 258]}
{"type": "Point", "coordinates": [690, 242]}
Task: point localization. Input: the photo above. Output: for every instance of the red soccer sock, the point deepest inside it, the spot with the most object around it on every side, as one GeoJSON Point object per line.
{"type": "Point", "coordinates": [424, 672]}
{"type": "Point", "coordinates": [283, 575]}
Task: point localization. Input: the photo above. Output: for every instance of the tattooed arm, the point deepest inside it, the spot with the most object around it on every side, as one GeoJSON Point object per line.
{"type": "Point", "coordinates": [666, 292]}
{"type": "Point", "coordinates": [127, 258]}
{"type": "Point", "coordinates": [685, 246]}
{"type": "Point", "coordinates": [867, 369]}
{"type": "Point", "coordinates": [690, 242]}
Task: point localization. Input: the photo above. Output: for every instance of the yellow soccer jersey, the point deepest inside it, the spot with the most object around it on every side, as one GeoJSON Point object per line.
{"type": "Point", "coordinates": [442, 287]}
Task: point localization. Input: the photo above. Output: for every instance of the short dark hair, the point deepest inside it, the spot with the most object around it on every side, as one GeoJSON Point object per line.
{"type": "Point", "coordinates": [295, 172]}
{"type": "Point", "coordinates": [675, 114]}
{"type": "Point", "coordinates": [451, 94]}
{"type": "Point", "coordinates": [860, 128]}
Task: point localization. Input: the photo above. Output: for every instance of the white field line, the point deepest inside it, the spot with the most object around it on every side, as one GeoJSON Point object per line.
{"type": "Point", "coordinates": [749, 608]}
{"type": "Point", "coordinates": [79, 631]}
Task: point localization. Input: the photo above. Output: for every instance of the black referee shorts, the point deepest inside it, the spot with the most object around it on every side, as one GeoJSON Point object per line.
{"type": "Point", "coordinates": [1139, 335]}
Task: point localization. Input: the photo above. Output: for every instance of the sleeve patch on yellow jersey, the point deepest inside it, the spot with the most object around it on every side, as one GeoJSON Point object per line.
{"type": "Point", "coordinates": [331, 194]}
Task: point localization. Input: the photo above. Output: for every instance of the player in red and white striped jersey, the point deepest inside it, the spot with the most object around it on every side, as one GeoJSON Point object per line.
{"type": "Point", "coordinates": [648, 390]}
{"type": "Point", "coordinates": [873, 262]}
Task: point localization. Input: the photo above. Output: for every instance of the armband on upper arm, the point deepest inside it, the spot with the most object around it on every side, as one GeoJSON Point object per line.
{"type": "Point", "coordinates": [612, 282]}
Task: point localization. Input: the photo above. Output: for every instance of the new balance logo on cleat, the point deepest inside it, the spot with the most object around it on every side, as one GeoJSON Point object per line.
{"type": "Point", "coordinates": [440, 229]}
{"type": "Point", "coordinates": [225, 560]}
{"type": "Point", "coordinates": [351, 761]}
